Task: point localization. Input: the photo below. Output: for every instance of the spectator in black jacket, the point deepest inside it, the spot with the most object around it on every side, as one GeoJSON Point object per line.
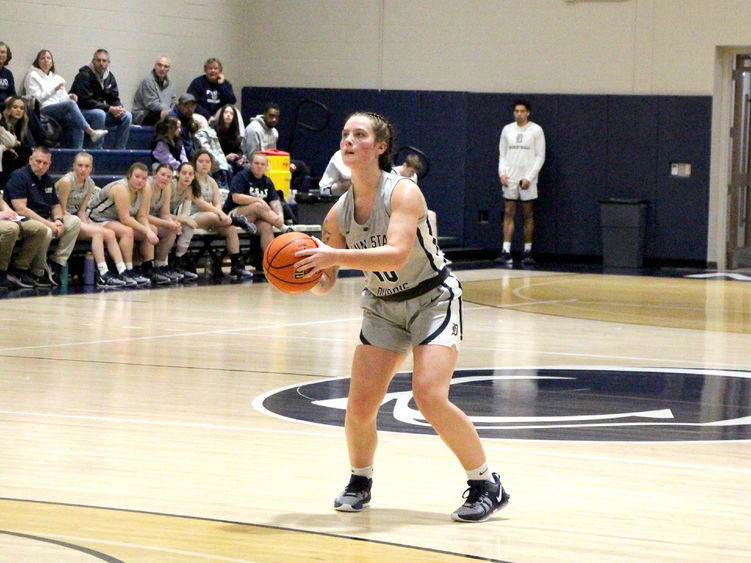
{"type": "Point", "coordinates": [99, 100]}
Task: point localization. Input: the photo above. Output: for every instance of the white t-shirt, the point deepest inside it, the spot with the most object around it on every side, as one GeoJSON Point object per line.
{"type": "Point", "coordinates": [522, 152]}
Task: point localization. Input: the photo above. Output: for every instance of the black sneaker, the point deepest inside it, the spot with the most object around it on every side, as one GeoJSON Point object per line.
{"type": "Point", "coordinates": [108, 280]}
{"type": "Point", "coordinates": [41, 281]}
{"type": "Point", "coordinates": [20, 278]}
{"type": "Point", "coordinates": [139, 279]}
{"type": "Point", "coordinates": [242, 222]}
{"type": "Point", "coordinates": [355, 496]}
{"type": "Point", "coordinates": [52, 272]}
{"type": "Point", "coordinates": [240, 273]}
{"type": "Point", "coordinates": [127, 280]}
{"type": "Point", "coordinates": [527, 259]}
{"type": "Point", "coordinates": [505, 258]}
{"type": "Point", "coordinates": [171, 275]}
{"type": "Point", "coordinates": [187, 274]}
{"type": "Point", "coordinates": [157, 278]}
{"type": "Point", "coordinates": [483, 498]}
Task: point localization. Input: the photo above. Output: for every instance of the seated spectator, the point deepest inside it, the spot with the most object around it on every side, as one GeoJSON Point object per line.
{"type": "Point", "coordinates": [99, 100]}
{"type": "Point", "coordinates": [206, 139]}
{"type": "Point", "coordinates": [208, 214]}
{"type": "Point", "coordinates": [229, 128]}
{"type": "Point", "coordinates": [337, 178]}
{"type": "Point", "coordinates": [34, 249]}
{"type": "Point", "coordinates": [123, 207]}
{"type": "Point", "coordinates": [261, 135]}
{"type": "Point", "coordinates": [74, 191]}
{"type": "Point", "coordinates": [253, 197]}
{"type": "Point", "coordinates": [166, 146]}
{"type": "Point", "coordinates": [30, 192]}
{"type": "Point", "coordinates": [155, 96]}
{"type": "Point", "coordinates": [167, 227]}
{"type": "Point", "coordinates": [184, 189]}
{"type": "Point", "coordinates": [184, 111]}
{"type": "Point", "coordinates": [411, 168]}
{"type": "Point", "coordinates": [211, 91]}
{"type": "Point", "coordinates": [7, 83]}
{"type": "Point", "coordinates": [16, 142]}
{"type": "Point", "coordinates": [48, 89]}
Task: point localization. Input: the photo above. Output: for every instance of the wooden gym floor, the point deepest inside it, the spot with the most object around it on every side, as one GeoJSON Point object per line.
{"type": "Point", "coordinates": [204, 424]}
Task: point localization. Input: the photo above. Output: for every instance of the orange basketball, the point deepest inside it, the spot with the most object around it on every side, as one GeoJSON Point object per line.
{"type": "Point", "coordinates": [279, 260]}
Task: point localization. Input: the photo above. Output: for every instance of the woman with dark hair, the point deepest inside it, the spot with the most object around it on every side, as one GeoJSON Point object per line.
{"type": "Point", "coordinates": [16, 142]}
{"type": "Point", "coordinates": [48, 89]}
{"type": "Point", "coordinates": [166, 146]}
{"type": "Point", "coordinates": [7, 83]}
{"type": "Point", "coordinates": [229, 128]}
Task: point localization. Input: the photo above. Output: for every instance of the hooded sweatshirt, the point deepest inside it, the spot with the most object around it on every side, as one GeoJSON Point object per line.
{"type": "Point", "coordinates": [43, 86]}
{"type": "Point", "coordinates": [94, 92]}
{"type": "Point", "coordinates": [259, 136]}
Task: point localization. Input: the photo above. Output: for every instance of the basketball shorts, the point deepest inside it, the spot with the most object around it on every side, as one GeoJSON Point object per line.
{"type": "Point", "coordinates": [432, 318]}
{"type": "Point", "coordinates": [514, 192]}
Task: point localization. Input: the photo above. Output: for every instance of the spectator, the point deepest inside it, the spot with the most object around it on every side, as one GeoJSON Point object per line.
{"type": "Point", "coordinates": [184, 189]}
{"type": "Point", "coordinates": [16, 142]}
{"type": "Point", "coordinates": [31, 194]}
{"type": "Point", "coordinates": [261, 135]}
{"type": "Point", "coordinates": [184, 110]}
{"type": "Point", "coordinates": [155, 96]}
{"type": "Point", "coordinates": [166, 146]}
{"type": "Point", "coordinates": [99, 99]}
{"type": "Point", "coordinates": [208, 214]}
{"type": "Point", "coordinates": [207, 139]}
{"type": "Point", "coordinates": [123, 207]}
{"type": "Point", "coordinates": [74, 191]}
{"type": "Point", "coordinates": [522, 154]}
{"type": "Point", "coordinates": [229, 128]}
{"type": "Point", "coordinates": [337, 178]}
{"type": "Point", "coordinates": [33, 251]}
{"type": "Point", "coordinates": [167, 226]}
{"type": "Point", "coordinates": [48, 89]}
{"type": "Point", "coordinates": [211, 91]}
{"type": "Point", "coordinates": [253, 197]}
{"type": "Point", "coordinates": [7, 84]}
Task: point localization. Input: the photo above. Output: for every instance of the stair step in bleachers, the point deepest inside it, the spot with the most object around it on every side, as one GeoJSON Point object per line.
{"type": "Point", "coordinates": [140, 137]}
{"type": "Point", "coordinates": [106, 161]}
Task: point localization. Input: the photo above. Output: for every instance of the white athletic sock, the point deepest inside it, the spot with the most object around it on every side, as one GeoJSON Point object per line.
{"type": "Point", "coordinates": [180, 251]}
{"type": "Point", "coordinates": [160, 263]}
{"type": "Point", "coordinates": [120, 267]}
{"type": "Point", "coordinates": [102, 266]}
{"type": "Point", "coordinates": [527, 247]}
{"type": "Point", "coordinates": [507, 247]}
{"type": "Point", "coordinates": [482, 472]}
{"type": "Point", "coordinates": [363, 471]}
{"type": "Point", "coordinates": [129, 265]}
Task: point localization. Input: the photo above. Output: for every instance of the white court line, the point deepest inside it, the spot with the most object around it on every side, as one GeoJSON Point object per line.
{"type": "Point", "coordinates": [132, 545]}
{"type": "Point", "coordinates": [408, 438]}
{"type": "Point", "coordinates": [160, 336]}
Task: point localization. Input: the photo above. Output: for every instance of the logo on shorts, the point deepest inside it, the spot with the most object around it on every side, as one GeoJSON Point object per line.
{"type": "Point", "coordinates": [565, 403]}
{"type": "Point", "coordinates": [454, 329]}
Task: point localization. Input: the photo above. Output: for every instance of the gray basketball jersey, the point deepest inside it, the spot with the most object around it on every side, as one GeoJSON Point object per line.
{"type": "Point", "coordinates": [102, 204]}
{"type": "Point", "coordinates": [156, 203]}
{"type": "Point", "coordinates": [425, 261]}
{"type": "Point", "coordinates": [207, 193]}
{"type": "Point", "coordinates": [77, 194]}
{"type": "Point", "coordinates": [177, 199]}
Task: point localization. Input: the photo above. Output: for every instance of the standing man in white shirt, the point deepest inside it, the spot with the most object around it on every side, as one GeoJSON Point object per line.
{"type": "Point", "coordinates": [522, 154]}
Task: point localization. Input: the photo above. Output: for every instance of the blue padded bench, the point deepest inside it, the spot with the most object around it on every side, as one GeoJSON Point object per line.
{"type": "Point", "coordinates": [106, 161]}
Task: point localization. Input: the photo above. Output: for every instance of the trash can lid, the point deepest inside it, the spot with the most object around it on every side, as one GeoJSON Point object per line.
{"type": "Point", "coordinates": [628, 200]}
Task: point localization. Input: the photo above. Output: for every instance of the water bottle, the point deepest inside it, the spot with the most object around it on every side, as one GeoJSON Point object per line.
{"type": "Point", "coordinates": [208, 265]}
{"type": "Point", "coordinates": [88, 269]}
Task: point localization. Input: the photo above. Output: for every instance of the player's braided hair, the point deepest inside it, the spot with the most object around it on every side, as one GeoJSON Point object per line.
{"type": "Point", "coordinates": [383, 132]}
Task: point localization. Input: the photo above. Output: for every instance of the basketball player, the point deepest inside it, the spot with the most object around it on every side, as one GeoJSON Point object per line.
{"type": "Point", "coordinates": [522, 154]}
{"type": "Point", "coordinates": [411, 301]}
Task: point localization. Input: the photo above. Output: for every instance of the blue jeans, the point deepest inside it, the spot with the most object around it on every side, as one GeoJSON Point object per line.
{"type": "Point", "coordinates": [71, 120]}
{"type": "Point", "coordinates": [118, 127]}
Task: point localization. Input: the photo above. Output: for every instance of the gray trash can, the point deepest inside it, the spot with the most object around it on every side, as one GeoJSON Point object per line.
{"type": "Point", "coordinates": [624, 227]}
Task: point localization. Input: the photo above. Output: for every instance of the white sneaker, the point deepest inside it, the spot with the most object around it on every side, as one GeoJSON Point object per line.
{"type": "Point", "coordinates": [98, 134]}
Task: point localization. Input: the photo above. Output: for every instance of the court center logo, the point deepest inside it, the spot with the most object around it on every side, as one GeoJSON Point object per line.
{"type": "Point", "coordinates": [553, 403]}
